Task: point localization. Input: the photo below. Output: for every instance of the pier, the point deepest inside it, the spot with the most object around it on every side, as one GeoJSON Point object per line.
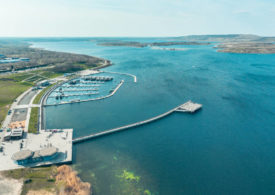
{"type": "Point", "coordinates": [80, 94]}
{"type": "Point", "coordinates": [80, 86]}
{"type": "Point", "coordinates": [187, 107]}
{"type": "Point", "coordinates": [131, 75]}
{"type": "Point", "coordinates": [72, 90]}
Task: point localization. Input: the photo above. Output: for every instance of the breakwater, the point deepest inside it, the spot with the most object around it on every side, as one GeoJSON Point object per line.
{"type": "Point", "coordinates": [127, 74]}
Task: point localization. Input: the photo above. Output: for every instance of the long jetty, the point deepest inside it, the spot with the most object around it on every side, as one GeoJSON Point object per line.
{"type": "Point", "coordinates": [188, 107]}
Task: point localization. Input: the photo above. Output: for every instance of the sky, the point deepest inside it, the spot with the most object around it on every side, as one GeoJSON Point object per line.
{"type": "Point", "coordinates": [135, 18]}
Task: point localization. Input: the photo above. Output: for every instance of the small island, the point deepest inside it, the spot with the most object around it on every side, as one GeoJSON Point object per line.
{"type": "Point", "coordinates": [140, 45]}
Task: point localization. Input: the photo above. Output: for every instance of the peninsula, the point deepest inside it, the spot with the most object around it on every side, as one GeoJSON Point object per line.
{"type": "Point", "coordinates": [233, 43]}
{"type": "Point", "coordinates": [37, 58]}
{"type": "Point", "coordinates": [246, 47]}
{"type": "Point", "coordinates": [140, 45]}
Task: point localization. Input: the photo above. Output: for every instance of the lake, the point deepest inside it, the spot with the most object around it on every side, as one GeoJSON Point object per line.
{"type": "Point", "coordinates": [226, 148]}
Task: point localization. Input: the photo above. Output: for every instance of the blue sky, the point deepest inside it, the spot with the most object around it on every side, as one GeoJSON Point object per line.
{"type": "Point", "coordinates": [135, 17]}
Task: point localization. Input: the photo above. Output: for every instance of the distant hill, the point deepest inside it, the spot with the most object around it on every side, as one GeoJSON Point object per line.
{"type": "Point", "coordinates": [235, 43]}
{"type": "Point", "coordinates": [227, 38]}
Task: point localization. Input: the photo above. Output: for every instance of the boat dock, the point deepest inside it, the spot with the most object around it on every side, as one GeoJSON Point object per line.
{"type": "Point", "coordinates": [95, 85]}
{"type": "Point", "coordinates": [187, 107]}
{"type": "Point", "coordinates": [80, 94]}
{"type": "Point", "coordinates": [72, 90]}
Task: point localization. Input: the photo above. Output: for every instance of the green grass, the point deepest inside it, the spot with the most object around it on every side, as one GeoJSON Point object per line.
{"type": "Point", "coordinates": [40, 178]}
{"type": "Point", "coordinates": [19, 76]}
{"type": "Point", "coordinates": [33, 123]}
{"type": "Point", "coordinates": [50, 74]}
{"type": "Point", "coordinates": [9, 91]}
{"type": "Point", "coordinates": [34, 78]}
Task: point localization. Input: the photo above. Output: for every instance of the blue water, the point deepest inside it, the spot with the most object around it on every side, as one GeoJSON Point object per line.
{"type": "Point", "coordinates": [226, 148]}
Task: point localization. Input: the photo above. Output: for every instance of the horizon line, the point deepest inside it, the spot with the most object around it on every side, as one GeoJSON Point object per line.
{"type": "Point", "coordinates": [134, 36]}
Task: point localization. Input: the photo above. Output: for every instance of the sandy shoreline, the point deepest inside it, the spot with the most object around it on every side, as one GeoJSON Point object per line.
{"type": "Point", "coordinates": [10, 186]}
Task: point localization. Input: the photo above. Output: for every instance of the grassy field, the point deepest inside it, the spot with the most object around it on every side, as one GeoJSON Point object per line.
{"type": "Point", "coordinates": [9, 91]}
{"type": "Point", "coordinates": [35, 178]}
{"type": "Point", "coordinates": [33, 124]}
{"type": "Point", "coordinates": [11, 86]}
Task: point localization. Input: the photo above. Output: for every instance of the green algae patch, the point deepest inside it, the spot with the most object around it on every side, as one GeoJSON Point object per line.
{"type": "Point", "coordinates": [147, 192]}
{"type": "Point", "coordinates": [129, 184]}
{"type": "Point", "coordinates": [129, 176]}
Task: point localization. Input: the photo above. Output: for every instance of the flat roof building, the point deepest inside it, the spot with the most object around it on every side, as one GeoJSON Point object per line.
{"type": "Point", "coordinates": [24, 157]}
{"type": "Point", "coordinates": [14, 134]}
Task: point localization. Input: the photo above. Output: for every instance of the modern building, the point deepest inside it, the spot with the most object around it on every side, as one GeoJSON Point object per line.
{"type": "Point", "coordinates": [48, 154]}
{"type": "Point", "coordinates": [14, 134]}
{"type": "Point", "coordinates": [25, 157]}
{"type": "Point", "coordinates": [17, 133]}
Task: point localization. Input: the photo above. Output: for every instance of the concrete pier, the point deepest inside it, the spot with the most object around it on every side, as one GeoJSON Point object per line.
{"type": "Point", "coordinates": [188, 106]}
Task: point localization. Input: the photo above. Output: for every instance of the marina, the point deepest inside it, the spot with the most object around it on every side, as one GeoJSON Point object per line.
{"type": "Point", "coordinates": [112, 92]}
{"type": "Point", "coordinates": [100, 85]}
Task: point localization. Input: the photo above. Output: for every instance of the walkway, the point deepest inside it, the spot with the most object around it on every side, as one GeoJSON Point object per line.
{"type": "Point", "coordinates": [107, 132]}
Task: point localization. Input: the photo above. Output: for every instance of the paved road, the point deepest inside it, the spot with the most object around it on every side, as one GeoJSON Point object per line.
{"type": "Point", "coordinates": [15, 106]}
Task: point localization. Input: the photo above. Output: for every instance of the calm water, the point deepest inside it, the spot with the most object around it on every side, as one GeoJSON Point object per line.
{"type": "Point", "coordinates": [227, 148]}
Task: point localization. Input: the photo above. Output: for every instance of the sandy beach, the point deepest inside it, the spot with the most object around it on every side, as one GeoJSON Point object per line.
{"type": "Point", "coordinates": [10, 186]}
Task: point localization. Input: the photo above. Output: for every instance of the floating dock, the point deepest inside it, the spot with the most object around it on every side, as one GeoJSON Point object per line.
{"type": "Point", "coordinates": [80, 94]}
{"type": "Point", "coordinates": [189, 106]}
{"type": "Point", "coordinates": [72, 90]}
{"type": "Point", "coordinates": [69, 86]}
